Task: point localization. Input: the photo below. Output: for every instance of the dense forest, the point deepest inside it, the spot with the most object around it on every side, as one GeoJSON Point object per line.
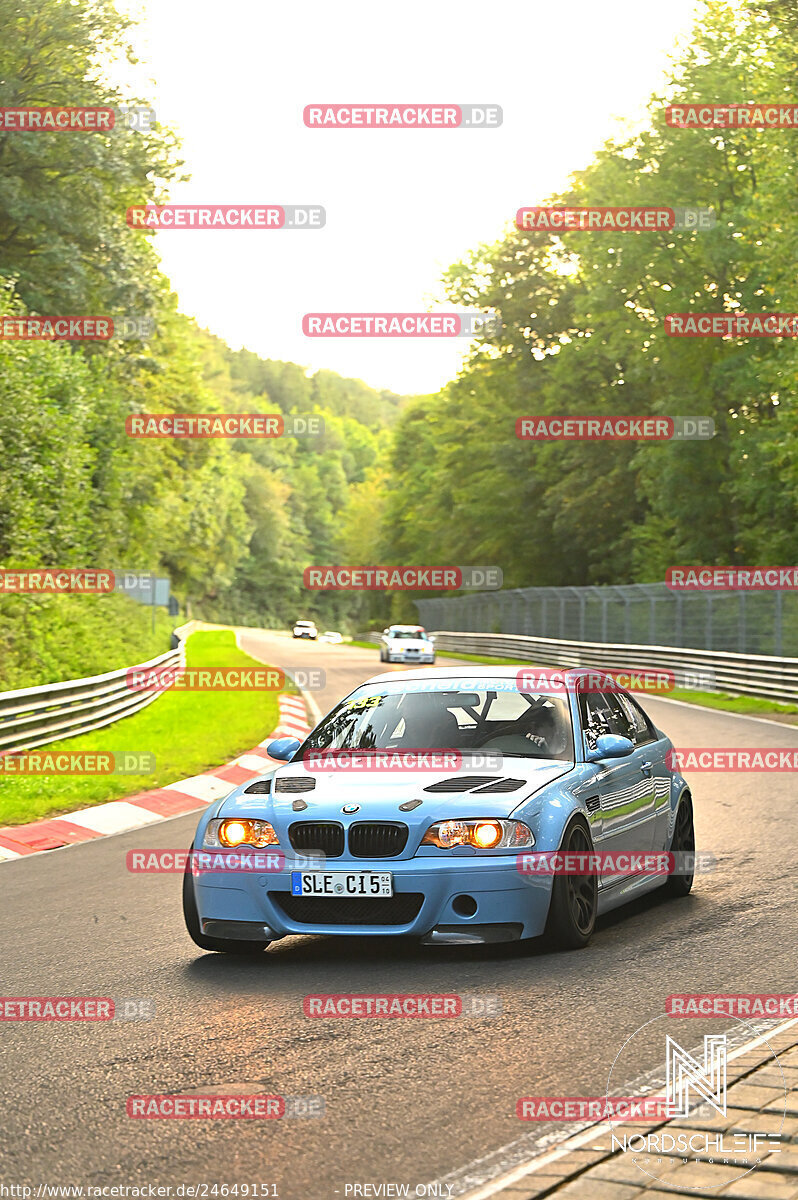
{"type": "Point", "coordinates": [584, 333]}
{"type": "Point", "coordinates": [434, 479]}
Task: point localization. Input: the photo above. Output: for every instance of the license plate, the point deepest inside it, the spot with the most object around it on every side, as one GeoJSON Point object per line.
{"type": "Point", "coordinates": [377, 884]}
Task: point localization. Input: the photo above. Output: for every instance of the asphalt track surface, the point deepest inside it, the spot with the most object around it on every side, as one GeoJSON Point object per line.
{"type": "Point", "coordinates": [406, 1101]}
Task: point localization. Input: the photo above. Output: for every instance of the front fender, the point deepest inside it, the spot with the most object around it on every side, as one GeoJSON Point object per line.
{"type": "Point", "coordinates": [548, 814]}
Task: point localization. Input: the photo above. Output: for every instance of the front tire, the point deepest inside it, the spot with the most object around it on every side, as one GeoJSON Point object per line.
{"type": "Point", "coordinates": [220, 945]}
{"type": "Point", "coordinates": [683, 842]}
{"type": "Point", "coordinates": [574, 898]}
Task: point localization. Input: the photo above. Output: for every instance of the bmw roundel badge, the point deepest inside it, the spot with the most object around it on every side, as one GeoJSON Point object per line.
{"type": "Point", "coordinates": [350, 808]}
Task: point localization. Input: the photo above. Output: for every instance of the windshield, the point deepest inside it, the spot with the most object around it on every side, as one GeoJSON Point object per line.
{"type": "Point", "coordinates": [442, 714]}
{"type": "Point", "coordinates": [416, 634]}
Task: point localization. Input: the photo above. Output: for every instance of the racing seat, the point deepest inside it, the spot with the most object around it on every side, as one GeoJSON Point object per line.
{"type": "Point", "coordinates": [430, 728]}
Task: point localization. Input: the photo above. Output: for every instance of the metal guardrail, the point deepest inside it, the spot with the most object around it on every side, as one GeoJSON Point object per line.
{"type": "Point", "coordinates": [32, 717]}
{"type": "Point", "coordinates": [737, 674]}
{"type": "Point", "coordinates": [631, 614]}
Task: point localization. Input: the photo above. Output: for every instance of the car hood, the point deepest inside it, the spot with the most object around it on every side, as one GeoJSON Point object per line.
{"type": "Point", "coordinates": [380, 793]}
{"type": "Point", "coordinates": [408, 643]}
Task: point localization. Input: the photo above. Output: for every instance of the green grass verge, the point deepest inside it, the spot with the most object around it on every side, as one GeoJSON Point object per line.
{"type": "Point", "coordinates": [745, 705]}
{"type": "Point", "coordinates": [188, 732]}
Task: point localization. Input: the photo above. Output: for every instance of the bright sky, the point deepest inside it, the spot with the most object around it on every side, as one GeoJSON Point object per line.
{"type": "Point", "coordinates": [233, 78]}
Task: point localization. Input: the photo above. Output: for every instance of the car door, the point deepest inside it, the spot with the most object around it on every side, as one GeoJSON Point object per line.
{"type": "Point", "coordinates": [654, 750]}
{"type": "Point", "coordinates": [624, 785]}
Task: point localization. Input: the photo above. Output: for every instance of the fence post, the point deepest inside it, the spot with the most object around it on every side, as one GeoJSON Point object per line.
{"type": "Point", "coordinates": [778, 623]}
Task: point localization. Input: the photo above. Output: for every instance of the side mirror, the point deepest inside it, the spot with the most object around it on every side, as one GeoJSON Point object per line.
{"type": "Point", "coordinates": [283, 748]}
{"type": "Point", "coordinates": [610, 745]}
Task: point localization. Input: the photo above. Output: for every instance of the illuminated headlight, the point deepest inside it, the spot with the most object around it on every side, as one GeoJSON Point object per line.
{"type": "Point", "coordinates": [484, 834]}
{"type": "Point", "coordinates": [233, 832]}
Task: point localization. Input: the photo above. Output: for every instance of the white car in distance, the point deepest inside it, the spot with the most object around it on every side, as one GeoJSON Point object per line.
{"type": "Point", "coordinates": [406, 644]}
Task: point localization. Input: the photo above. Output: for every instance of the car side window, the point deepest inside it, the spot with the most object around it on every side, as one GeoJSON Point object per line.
{"type": "Point", "coordinates": [620, 721]}
{"type": "Point", "coordinates": [602, 713]}
{"type": "Point", "coordinates": [643, 730]}
{"type": "Point", "coordinates": [595, 716]}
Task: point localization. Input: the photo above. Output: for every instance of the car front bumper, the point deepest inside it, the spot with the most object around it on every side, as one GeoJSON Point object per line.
{"type": "Point", "coordinates": [508, 905]}
{"type": "Point", "coordinates": [423, 659]}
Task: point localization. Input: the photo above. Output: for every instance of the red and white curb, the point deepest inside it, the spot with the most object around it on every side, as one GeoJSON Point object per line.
{"type": "Point", "coordinates": [187, 795]}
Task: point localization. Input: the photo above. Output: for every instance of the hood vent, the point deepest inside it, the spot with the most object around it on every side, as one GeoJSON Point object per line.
{"type": "Point", "coordinates": [461, 783]}
{"type": "Point", "coordinates": [502, 785]}
{"type": "Point", "coordinates": [476, 783]}
{"type": "Point", "coordinates": [261, 787]}
{"type": "Point", "coordinates": [294, 783]}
